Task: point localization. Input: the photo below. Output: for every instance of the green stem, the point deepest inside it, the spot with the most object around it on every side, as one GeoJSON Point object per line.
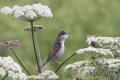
{"type": "Point", "coordinates": [33, 38]}
{"type": "Point", "coordinates": [20, 62]}
{"type": "Point", "coordinates": [4, 77]}
{"type": "Point", "coordinates": [38, 52]}
{"type": "Point", "coordinates": [65, 62]}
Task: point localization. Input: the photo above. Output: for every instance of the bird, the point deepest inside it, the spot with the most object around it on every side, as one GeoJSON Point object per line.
{"type": "Point", "coordinates": [58, 48]}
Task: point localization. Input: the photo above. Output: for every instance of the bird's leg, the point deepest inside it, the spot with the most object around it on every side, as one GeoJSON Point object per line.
{"type": "Point", "coordinates": [58, 62]}
{"type": "Point", "coordinates": [53, 67]}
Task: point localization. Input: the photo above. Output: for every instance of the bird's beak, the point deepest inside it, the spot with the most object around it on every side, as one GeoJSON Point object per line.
{"type": "Point", "coordinates": [67, 33]}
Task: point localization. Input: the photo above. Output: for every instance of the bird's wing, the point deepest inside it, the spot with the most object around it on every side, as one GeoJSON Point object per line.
{"type": "Point", "coordinates": [55, 49]}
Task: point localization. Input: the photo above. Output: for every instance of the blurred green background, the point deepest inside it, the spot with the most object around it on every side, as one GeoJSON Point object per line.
{"type": "Point", "coordinates": [79, 17]}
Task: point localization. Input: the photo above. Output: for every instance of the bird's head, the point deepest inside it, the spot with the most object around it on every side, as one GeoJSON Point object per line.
{"type": "Point", "coordinates": [62, 35]}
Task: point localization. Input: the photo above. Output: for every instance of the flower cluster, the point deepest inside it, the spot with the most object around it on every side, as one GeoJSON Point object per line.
{"type": "Point", "coordinates": [9, 67]}
{"type": "Point", "coordinates": [28, 12]}
{"type": "Point", "coordinates": [97, 50]}
{"type": "Point", "coordinates": [45, 75]}
{"type": "Point", "coordinates": [81, 66]}
{"type": "Point", "coordinates": [104, 42]}
{"type": "Point", "coordinates": [77, 64]}
{"type": "Point", "coordinates": [2, 72]}
{"type": "Point", "coordinates": [97, 66]}
{"type": "Point", "coordinates": [86, 69]}
{"type": "Point", "coordinates": [111, 63]}
{"type": "Point", "coordinates": [102, 45]}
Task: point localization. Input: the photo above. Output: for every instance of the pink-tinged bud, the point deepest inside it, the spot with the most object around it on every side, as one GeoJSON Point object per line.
{"type": "Point", "coordinates": [29, 28]}
{"type": "Point", "coordinates": [10, 44]}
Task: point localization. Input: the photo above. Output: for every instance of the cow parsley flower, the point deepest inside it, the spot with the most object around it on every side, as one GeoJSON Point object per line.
{"type": "Point", "coordinates": [104, 42]}
{"type": "Point", "coordinates": [48, 74]}
{"type": "Point", "coordinates": [8, 64]}
{"type": "Point", "coordinates": [26, 8]}
{"type": "Point", "coordinates": [18, 13]}
{"type": "Point", "coordinates": [86, 69]}
{"type": "Point", "coordinates": [15, 76]}
{"type": "Point", "coordinates": [10, 67]}
{"type": "Point", "coordinates": [2, 72]}
{"type": "Point", "coordinates": [77, 64]}
{"type": "Point", "coordinates": [16, 7]}
{"type": "Point", "coordinates": [28, 12]}
{"type": "Point", "coordinates": [102, 39]}
{"type": "Point", "coordinates": [45, 75]}
{"type": "Point", "coordinates": [70, 66]}
{"type": "Point", "coordinates": [110, 62]}
{"type": "Point", "coordinates": [31, 14]}
{"type": "Point", "coordinates": [98, 50]}
{"type": "Point", "coordinates": [44, 11]}
{"type": "Point", "coordinates": [6, 10]}
{"type": "Point", "coordinates": [80, 66]}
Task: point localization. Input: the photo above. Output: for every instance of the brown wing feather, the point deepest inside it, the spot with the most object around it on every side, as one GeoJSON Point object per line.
{"type": "Point", "coordinates": [55, 49]}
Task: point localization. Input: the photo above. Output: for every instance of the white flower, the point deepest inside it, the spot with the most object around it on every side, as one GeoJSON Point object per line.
{"type": "Point", "coordinates": [18, 13]}
{"type": "Point", "coordinates": [2, 72]}
{"type": "Point", "coordinates": [22, 76]}
{"type": "Point", "coordinates": [9, 66]}
{"type": "Point", "coordinates": [104, 42]}
{"type": "Point", "coordinates": [49, 75]}
{"type": "Point", "coordinates": [6, 10]}
{"type": "Point", "coordinates": [77, 64]}
{"type": "Point", "coordinates": [27, 7]}
{"type": "Point", "coordinates": [70, 66]}
{"type": "Point", "coordinates": [31, 14]}
{"type": "Point", "coordinates": [16, 7]}
{"type": "Point", "coordinates": [110, 62]}
{"type": "Point", "coordinates": [44, 11]}
{"type": "Point", "coordinates": [36, 6]}
{"type": "Point", "coordinates": [89, 69]}
{"type": "Point", "coordinates": [53, 77]}
{"type": "Point", "coordinates": [81, 63]}
{"type": "Point", "coordinates": [86, 69]}
{"type": "Point", "coordinates": [35, 77]}
{"type": "Point", "coordinates": [13, 75]}
{"type": "Point", "coordinates": [102, 39]}
{"type": "Point", "coordinates": [45, 75]}
{"type": "Point", "coordinates": [98, 50]}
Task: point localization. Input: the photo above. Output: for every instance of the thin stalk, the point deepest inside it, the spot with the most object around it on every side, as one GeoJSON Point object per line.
{"type": "Point", "coordinates": [38, 52]}
{"type": "Point", "coordinates": [65, 62]}
{"type": "Point", "coordinates": [92, 76]}
{"type": "Point", "coordinates": [33, 39]}
{"type": "Point", "coordinates": [20, 62]}
{"type": "Point", "coordinates": [5, 77]}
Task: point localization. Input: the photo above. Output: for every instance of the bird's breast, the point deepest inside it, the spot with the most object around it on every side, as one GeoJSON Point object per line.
{"type": "Point", "coordinates": [61, 51]}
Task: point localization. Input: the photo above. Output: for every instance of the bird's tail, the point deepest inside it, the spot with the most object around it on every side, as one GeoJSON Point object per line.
{"type": "Point", "coordinates": [43, 64]}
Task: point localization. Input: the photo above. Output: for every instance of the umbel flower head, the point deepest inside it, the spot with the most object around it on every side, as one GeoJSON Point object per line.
{"type": "Point", "coordinates": [45, 75]}
{"type": "Point", "coordinates": [81, 66]}
{"type": "Point", "coordinates": [11, 68]}
{"type": "Point", "coordinates": [104, 42]}
{"type": "Point", "coordinates": [111, 63]}
{"type": "Point", "coordinates": [102, 45]}
{"type": "Point", "coordinates": [28, 12]}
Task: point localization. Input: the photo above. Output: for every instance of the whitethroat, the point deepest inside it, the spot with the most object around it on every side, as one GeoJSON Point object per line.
{"type": "Point", "coordinates": [58, 48]}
